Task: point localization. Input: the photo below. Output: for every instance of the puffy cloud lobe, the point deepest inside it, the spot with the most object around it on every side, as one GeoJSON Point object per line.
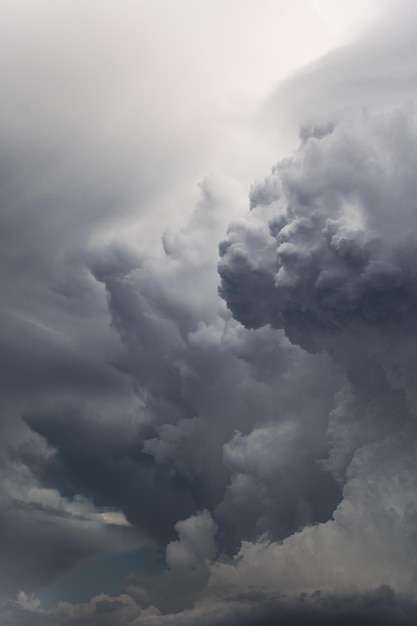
{"type": "Point", "coordinates": [263, 450]}
{"type": "Point", "coordinates": [330, 249]}
{"type": "Point", "coordinates": [368, 542]}
{"type": "Point", "coordinates": [274, 463]}
{"type": "Point", "coordinates": [196, 542]}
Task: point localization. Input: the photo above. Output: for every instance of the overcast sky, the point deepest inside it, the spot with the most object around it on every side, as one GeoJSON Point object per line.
{"type": "Point", "coordinates": [208, 338]}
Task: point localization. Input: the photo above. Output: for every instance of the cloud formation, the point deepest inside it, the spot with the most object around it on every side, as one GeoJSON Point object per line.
{"type": "Point", "coordinates": [328, 255]}
{"type": "Point", "coordinates": [251, 420]}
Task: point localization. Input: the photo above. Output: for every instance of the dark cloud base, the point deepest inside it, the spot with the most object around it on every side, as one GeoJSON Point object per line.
{"type": "Point", "coordinates": [381, 607]}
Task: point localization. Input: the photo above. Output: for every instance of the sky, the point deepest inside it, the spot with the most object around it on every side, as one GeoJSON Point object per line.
{"type": "Point", "coordinates": [208, 338]}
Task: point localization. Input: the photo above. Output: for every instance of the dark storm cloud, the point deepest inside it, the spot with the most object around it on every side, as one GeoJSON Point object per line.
{"type": "Point", "coordinates": [266, 449]}
{"type": "Point", "coordinates": [219, 429]}
{"type": "Point", "coordinates": [330, 256]}
{"type": "Point", "coordinates": [51, 307]}
{"type": "Point", "coordinates": [59, 189]}
{"type": "Point", "coordinates": [74, 164]}
{"type": "Point", "coordinates": [209, 400]}
{"type": "Point", "coordinates": [335, 272]}
{"type": "Point", "coordinates": [105, 463]}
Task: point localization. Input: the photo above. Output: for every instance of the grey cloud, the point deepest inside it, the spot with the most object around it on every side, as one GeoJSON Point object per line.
{"type": "Point", "coordinates": [196, 542]}
{"type": "Point", "coordinates": [199, 378]}
{"type": "Point", "coordinates": [156, 450]}
{"type": "Point", "coordinates": [327, 264]}
{"type": "Point", "coordinates": [81, 159]}
{"type": "Point", "coordinates": [369, 540]}
{"type": "Point", "coordinates": [277, 483]}
{"type": "Point", "coordinates": [109, 468]}
{"type": "Point", "coordinates": [320, 258]}
{"type": "Point", "coordinates": [273, 435]}
{"type": "Point", "coordinates": [330, 259]}
{"type": "Point", "coordinates": [39, 542]}
{"type": "Point", "coordinates": [377, 607]}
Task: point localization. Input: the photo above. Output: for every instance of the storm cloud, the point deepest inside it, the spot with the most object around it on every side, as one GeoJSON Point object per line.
{"type": "Point", "coordinates": [201, 363]}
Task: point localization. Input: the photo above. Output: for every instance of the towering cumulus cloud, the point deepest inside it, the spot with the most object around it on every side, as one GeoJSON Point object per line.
{"type": "Point", "coordinates": [210, 393]}
{"type": "Point", "coordinates": [329, 255]}
{"type": "Point", "coordinates": [273, 453]}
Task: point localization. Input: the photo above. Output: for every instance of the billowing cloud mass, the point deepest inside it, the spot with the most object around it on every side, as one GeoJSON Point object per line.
{"type": "Point", "coordinates": [209, 388]}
